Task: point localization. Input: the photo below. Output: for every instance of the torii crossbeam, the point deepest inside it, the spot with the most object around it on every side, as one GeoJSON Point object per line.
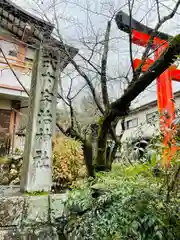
{"type": "Point", "coordinates": [141, 35]}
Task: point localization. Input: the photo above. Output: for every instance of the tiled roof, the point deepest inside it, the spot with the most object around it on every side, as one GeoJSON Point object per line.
{"type": "Point", "coordinates": [17, 20]}
{"type": "Point", "coordinates": [151, 104]}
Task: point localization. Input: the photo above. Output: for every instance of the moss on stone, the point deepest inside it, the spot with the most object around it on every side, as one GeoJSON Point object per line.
{"type": "Point", "coordinates": [36, 193]}
{"type": "Point", "coordinates": [5, 160]}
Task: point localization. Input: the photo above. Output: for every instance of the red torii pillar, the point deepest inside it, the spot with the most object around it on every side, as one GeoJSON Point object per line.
{"type": "Point", "coordinates": [164, 91]}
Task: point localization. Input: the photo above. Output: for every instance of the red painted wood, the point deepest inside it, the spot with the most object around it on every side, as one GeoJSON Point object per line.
{"type": "Point", "coordinates": [142, 39]}
{"type": "Point", "coordinates": [166, 108]}
{"type": "Point", "coordinates": [146, 65]}
{"type": "Point", "coordinates": [175, 73]}
{"type": "Point", "coordinates": [164, 91]}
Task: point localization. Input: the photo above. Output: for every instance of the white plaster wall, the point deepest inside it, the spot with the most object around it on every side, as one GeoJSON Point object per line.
{"type": "Point", "coordinates": [143, 127]}
{"type": "Point", "coordinates": [177, 102]}
{"type": "Point", "coordinates": [7, 78]}
{"type": "Point", "coordinates": [6, 75]}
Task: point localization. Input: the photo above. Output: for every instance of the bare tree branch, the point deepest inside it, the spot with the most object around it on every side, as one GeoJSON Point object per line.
{"type": "Point", "coordinates": [88, 82]}
{"type": "Point", "coordinates": [90, 63]}
{"type": "Point", "coordinates": [118, 141]}
{"type": "Point", "coordinates": [97, 48]}
{"type": "Point", "coordinates": [76, 66]}
{"type": "Point", "coordinates": [61, 128]}
{"type": "Point", "coordinates": [104, 67]}
{"type": "Point", "coordinates": [12, 70]}
{"type": "Point", "coordinates": [159, 24]}
{"type": "Point", "coordinates": [130, 6]}
{"type": "Point", "coordinates": [71, 113]}
{"type": "Point", "coordinates": [156, 69]}
{"type": "Point", "coordinates": [158, 10]}
{"type": "Point", "coordinates": [70, 88]}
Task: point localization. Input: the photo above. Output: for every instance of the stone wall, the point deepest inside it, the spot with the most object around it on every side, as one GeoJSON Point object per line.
{"type": "Point", "coordinates": [31, 217]}
{"type": "Point", "coordinates": [38, 216]}
{"type": "Point", "coordinates": [10, 170]}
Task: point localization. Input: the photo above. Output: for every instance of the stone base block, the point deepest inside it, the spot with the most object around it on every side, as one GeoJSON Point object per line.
{"type": "Point", "coordinates": [30, 217]}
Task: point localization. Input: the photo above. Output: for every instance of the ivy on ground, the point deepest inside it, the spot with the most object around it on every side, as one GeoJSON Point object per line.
{"type": "Point", "coordinates": [123, 204]}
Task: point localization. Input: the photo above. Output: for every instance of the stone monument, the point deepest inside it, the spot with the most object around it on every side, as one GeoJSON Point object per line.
{"type": "Point", "coordinates": [37, 166]}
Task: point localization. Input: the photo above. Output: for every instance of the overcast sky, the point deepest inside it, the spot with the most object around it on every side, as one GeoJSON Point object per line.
{"type": "Point", "coordinates": [76, 22]}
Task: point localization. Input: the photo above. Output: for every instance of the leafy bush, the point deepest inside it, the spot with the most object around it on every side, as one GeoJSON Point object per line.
{"type": "Point", "coordinates": [68, 163]}
{"type": "Point", "coordinates": [124, 204]}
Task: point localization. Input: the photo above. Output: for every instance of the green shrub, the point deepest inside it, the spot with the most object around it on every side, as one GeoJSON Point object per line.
{"type": "Point", "coordinates": [124, 204]}
{"type": "Point", "coordinates": [68, 163]}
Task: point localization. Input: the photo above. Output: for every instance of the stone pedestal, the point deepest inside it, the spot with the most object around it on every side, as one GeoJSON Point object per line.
{"type": "Point", "coordinates": [31, 217]}
{"type": "Point", "coordinates": [36, 171]}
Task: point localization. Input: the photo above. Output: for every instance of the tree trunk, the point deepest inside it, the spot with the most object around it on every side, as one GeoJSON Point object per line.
{"type": "Point", "coordinates": [114, 151]}
{"type": "Point", "coordinates": [86, 147]}
{"type": "Point", "coordinates": [87, 151]}
{"type": "Point", "coordinates": [88, 158]}
{"type": "Point", "coordinates": [101, 160]}
{"type": "Point", "coordinates": [120, 107]}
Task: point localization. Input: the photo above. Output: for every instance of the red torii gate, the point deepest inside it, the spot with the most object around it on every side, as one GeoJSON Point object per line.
{"type": "Point", "coordinates": [141, 36]}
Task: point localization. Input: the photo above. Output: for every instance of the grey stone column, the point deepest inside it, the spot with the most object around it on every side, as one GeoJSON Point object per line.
{"type": "Point", "coordinates": [37, 163]}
